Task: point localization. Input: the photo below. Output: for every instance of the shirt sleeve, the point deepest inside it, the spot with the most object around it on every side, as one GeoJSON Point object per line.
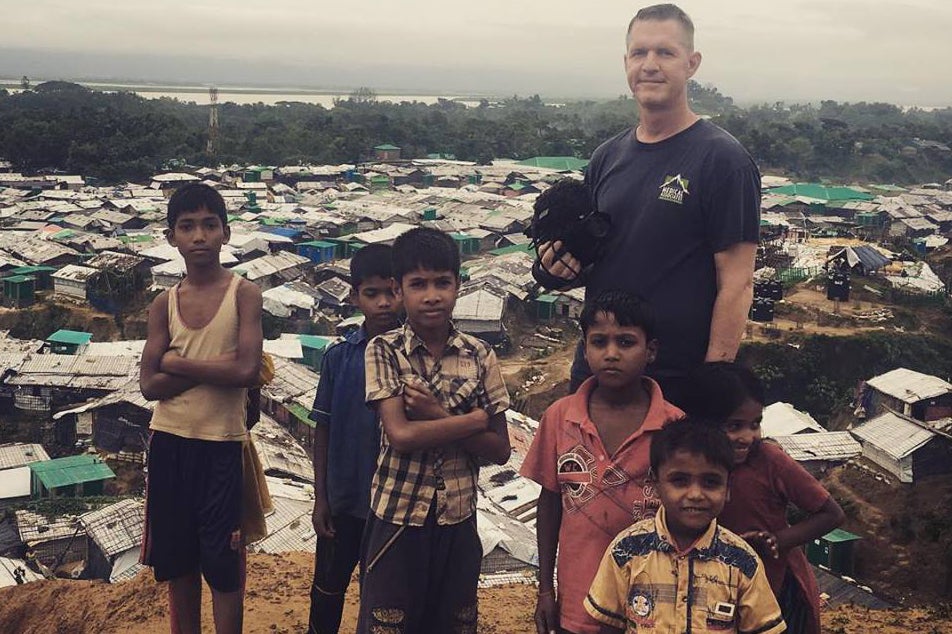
{"type": "Point", "coordinates": [382, 371]}
{"type": "Point", "coordinates": [321, 410]}
{"type": "Point", "coordinates": [758, 612]}
{"type": "Point", "coordinates": [497, 396]}
{"type": "Point", "coordinates": [540, 463]}
{"type": "Point", "coordinates": [797, 485]}
{"type": "Point", "coordinates": [606, 600]}
{"type": "Point", "coordinates": [733, 210]}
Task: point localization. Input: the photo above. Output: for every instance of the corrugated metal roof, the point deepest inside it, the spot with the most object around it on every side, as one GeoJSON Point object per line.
{"type": "Point", "coordinates": [480, 305]}
{"type": "Point", "coordinates": [910, 386]}
{"type": "Point", "coordinates": [292, 519]}
{"type": "Point", "coordinates": [71, 470]}
{"type": "Point", "coordinates": [783, 419]}
{"type": "Point", "coordinates": [18, 454]}
{"type": "Point", "coordinates": [831, 445]}
{"type": "Point", "coordinates": [271, 264]}
{"type": "Point", "coordinates": [290, 380]}
{"type": "Point", "coordinates": [127, 393]}
{"type": "Point", "coordinates": [841, 592]}
{"type": "Point", "coordinates": [279, 452]}
{"type": "Point", "coordinates": [36, 529]}
{"type": "Point", "coordinates": [117, 527]}
{"type": "Point", "coordinates": [893, 435]}
{"type": "Point", "coordinates": [74, 273]}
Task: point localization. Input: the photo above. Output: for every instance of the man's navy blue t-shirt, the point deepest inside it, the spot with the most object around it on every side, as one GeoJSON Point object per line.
{"type": "Point", "coordinates": [673, 205]}
{"type": "Point", "coordinates": [354, 430]}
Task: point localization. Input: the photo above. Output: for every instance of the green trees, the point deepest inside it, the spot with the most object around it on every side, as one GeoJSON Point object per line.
{"type": "Point", "coordinates": [120, 136]}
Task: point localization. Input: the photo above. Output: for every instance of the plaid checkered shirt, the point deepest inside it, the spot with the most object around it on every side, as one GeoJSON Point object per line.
{"type": "Point", "coordinates": [466, 377]}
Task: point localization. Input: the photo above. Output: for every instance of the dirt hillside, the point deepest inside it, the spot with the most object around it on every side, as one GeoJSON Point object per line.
{"type": "Point", "coordinates": [277, 601]}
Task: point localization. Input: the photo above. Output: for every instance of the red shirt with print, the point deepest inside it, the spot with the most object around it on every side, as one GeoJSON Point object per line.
{"type": "Point", "coordinates": [601, 494]}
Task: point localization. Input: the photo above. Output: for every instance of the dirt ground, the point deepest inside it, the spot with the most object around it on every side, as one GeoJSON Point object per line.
{"type": "Point", "coordinates": [907, 541]}
{"type": "Point", "coordinates": [277, 602]}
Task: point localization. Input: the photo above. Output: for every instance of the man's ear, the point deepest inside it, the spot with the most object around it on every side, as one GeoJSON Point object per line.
{"type": "Point", "coordinates": [226, 231]}
{"type": "Point", "coordinates": [694, 62]}
{"type": "Point", "coordinates": [395, 285]}
{"type": "Point", "coordinates": [352, 296]}
{"type": "Point", "coordinates": [169, 236]}
{"type": "Point", "coordinates": [651, 476]}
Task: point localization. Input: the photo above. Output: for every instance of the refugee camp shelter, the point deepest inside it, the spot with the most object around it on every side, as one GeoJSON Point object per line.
{"type": "Point", "coordinates": [914, 394]}
{"type": "Point", "coordinates": [834, 551]}
{"type": "Point", "coordinates": [72, 476]}
{"type": "Point", "coordinates": [114, 536]}
{"type": "Point", "coordinates": [906, 449]}
{"type": "Point", "coordinates": [68, 341]}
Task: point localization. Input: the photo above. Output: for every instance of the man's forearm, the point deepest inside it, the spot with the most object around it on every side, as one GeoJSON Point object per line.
{"type": "Point", "coordinates": [222, 372]}
{"type": "Point", "coordinates": [162, 386]}
{"type": "Point", "coordinates": [728, 321]}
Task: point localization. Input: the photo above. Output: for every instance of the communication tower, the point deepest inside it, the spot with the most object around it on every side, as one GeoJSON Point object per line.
{"type": "Point", "coordinates": [212, 120]}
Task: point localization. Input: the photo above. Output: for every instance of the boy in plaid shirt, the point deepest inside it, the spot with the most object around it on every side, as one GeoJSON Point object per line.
{"type": "Point", "coordinates": [442, 401]}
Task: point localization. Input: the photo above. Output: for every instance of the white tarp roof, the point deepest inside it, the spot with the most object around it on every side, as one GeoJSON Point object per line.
{"type": "Point", "coordinates": [783, 419]}
{"type": "Point", "coordinates": [909, 386]}
{"type": "Point", "coordinates": [281, 300]}
{"type": "Point", "coordinates": [15, 483]}
{"type": "Point", "coordinates": [286, 348]}
{"type": "Point", "coordinates": [126, 565]}
{"type": "Point", "coordinates": [7, 566]}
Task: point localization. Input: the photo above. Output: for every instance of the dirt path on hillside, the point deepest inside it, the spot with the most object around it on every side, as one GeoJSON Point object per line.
{"type": "Point", "coordinates": [277, 602]}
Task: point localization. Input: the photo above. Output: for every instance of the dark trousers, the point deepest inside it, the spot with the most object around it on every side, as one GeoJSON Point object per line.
{"type": "Point", "coordinates": [419, 579]}
{"type": "Point", "coordinates": [334, 563]}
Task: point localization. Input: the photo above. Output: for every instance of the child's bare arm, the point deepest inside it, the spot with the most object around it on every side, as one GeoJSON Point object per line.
{"type": "Point", "coordinates": [548, 523]}
{"type": "Point", "coordinates": [813, 527]}
{"type": "Point", "coordinates": [243, 368]}
{"type": "Point", "coordinates": [405, 435]}
{"type": "Point", "coordinates": [155, 384]}
{"type": "Point", "coordinates": [492, 444]}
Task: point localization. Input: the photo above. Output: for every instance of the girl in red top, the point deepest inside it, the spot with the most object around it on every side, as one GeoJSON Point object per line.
{"type": "Point", "coordinates": [764, 484]}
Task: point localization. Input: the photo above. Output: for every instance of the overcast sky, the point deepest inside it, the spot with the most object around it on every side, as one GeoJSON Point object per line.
{"type": "Point", "coordinates": [754, 50]}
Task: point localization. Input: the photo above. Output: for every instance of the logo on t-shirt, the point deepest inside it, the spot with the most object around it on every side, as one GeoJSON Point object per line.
{"type": "Point", "coordinates": [641, 603]}
{"type": "Point", "coordinates": [576, 470]}
{"type": "Point", "coordinates": [674, 189]}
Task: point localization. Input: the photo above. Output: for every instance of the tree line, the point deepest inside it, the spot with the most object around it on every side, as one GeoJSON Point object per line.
{"type": "Point", "coordinates": [115, 137]}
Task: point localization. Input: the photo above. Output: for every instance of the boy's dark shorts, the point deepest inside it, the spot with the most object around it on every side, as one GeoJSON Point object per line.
{"type": "Point", "coordinates": [193, 510]}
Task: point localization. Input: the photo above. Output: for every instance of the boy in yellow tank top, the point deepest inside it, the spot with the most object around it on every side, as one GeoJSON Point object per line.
{"type": "Point", "coordinates": [202, 353]}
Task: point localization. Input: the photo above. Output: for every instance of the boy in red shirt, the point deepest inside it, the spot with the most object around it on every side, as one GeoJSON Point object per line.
{"type": "Point", "coordinates": [590, 455]}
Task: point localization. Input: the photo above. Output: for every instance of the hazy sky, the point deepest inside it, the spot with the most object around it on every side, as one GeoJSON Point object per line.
{"type": "Point", "coordinates": [754, 50]}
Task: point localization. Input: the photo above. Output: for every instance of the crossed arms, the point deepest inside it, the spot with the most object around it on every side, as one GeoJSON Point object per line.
{"type": "Point", "coordinates": [163, 373]}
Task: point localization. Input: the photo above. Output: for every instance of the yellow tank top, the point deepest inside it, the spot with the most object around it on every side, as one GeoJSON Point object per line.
{"type": "Point", "coordinates": [205, 412]}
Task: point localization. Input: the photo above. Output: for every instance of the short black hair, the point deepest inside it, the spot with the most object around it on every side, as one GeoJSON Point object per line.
{"type": "Point", "coordinates": [627, 308]}
{"type": "Point", "coordinates": [662, 12]}
{"type": "Point", "coordinates": [716, 390]}
{"type": "Point", "coordinates": [425, 248]}
{"type": "Point", "coordinates": [370, 261]}
{"type": "Point", "coordinates": [693, 435]}
{"type": "Point", "coordinates": [193, 197]}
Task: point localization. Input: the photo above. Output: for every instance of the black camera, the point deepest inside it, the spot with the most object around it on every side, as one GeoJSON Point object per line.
{"type": "Point", "coordinates": [563, 213]}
